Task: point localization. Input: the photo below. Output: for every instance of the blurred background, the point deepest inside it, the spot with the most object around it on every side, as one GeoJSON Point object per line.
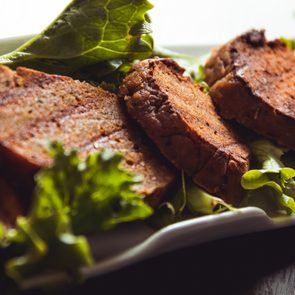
{"type": "Point", "coordinates": [175, 22]}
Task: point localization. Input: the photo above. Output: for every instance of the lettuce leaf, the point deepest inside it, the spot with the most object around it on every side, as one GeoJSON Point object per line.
{"type": "Point", "coordinates": [200, 202]}
{"type": "Point", "coordinates": [190, 201]}
{"type": "Point", "coordinates": [97, 191]}
{"type": "Point", "coordinates": [91, 32]}
{"type": "Point", "coordinates": [47, 240]}
{"type": "Point", "coordinates": [71, 198]}
{"type": "Point", "coordinates": [191, 64]}
{"type": "Point", "coordinates": [272, 186]}
{"type": "Point", "coordinates": [2, 231]}
{"type": "Point", "coordinates": [290, 43]}
{"type": "Point", "coordinates": [171, 211]}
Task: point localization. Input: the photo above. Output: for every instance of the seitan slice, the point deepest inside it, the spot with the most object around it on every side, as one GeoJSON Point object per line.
{"type": "Point", "coordinates": [253, 82]}
{"type": "Point", "coordinates": [36, 107]}
{"type": "Point", "coordinates": [182, 121]}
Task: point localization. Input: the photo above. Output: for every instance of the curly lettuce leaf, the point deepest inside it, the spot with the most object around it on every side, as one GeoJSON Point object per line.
{"type": "Point", "coordinates": [47, 240]}
{"type": "Point", "coordinates": [104, 33]}
{"type": "Point", "coordinates": [273, 183]}
{"type": "Point", "coordinates": [98, 192]}
{"type": "Point", "coordinates": [72, 197]}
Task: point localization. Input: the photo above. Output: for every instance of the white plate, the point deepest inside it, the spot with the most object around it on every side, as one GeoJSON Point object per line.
{"type": "Point", "coordinates": [137, 241]}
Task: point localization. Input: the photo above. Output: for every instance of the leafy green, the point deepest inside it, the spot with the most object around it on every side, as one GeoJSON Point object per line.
{"type": "Point", "coordinates": [104, 33]}
{"type": "Point", "coordinates": [191, 64]}
{"type": "Point", "coordinates": [267, 155]}
{"type": "Point", "coordinates": [273, 183]}
{"type": "Point", "coordinates": [72, 197]}
{"type": "Point", "coordinates": [164, 215]}
{"type": "Point", "coordinates": [48, 241]}
{"type": "Point", "coordinates": [190, 201]}
{"type": "Point", "coordinates": [290, 43]}
{"type": "Point", "coordinates": [2, 231]}
{"type": "Point", "coordinates": [171, 211]}
{"type": "Point", "coordinates": [201, 203]}
{"type": "Point", "coordinates": [98, 193]}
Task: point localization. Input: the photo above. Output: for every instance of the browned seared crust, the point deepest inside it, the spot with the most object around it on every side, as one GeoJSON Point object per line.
{"type": "Point", "coordinates": [36, 107]}
{"type": "Point", "coordinates": [182, 121]}
{"type": "Point", "coordinates": [253, 82]}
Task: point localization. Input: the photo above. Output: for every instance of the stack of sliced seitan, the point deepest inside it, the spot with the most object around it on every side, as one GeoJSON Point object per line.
{"type": "Point", "coordinates": [252, 81]}
{"type": "Point", "coordinates": [36, 108]}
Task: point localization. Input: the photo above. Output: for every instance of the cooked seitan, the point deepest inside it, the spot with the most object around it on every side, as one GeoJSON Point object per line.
{"type": "Point", "coordinates": [36, 107]}
{"type": "Point", "coordinates": [253, 82]}
{"type": "Point", "coordinates": [182, 121]}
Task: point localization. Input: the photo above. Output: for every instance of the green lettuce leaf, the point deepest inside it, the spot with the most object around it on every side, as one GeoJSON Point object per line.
{"type": "Point", "coordinates": [171, 211]}
{"type": "Point", "coordinates": [200, 202]}
{"type": "Point", "coordinates": [290, 43]}
{"type": "Point", "coordinates": [48, 241]}
{"type": "Point", "coordinates": [267, 155]}
{"type": "Point", "coordinates": [103, 33]}
{"type": "Point", "coordinates": [190, 201]}
{"type": "Point", "coordinates": [193, 66]}
{"type": "Point", "coordinates": [98, 192]}
{"type": "Point", "coordinates": [72, 197]}
{"type": "Point", "coordinates": [273, 183]}
{"type": "Point", "coordinates": [2, 231]}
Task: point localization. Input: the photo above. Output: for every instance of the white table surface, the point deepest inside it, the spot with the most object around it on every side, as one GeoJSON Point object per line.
{"type": "Point", "coordinates": [174, 22]}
